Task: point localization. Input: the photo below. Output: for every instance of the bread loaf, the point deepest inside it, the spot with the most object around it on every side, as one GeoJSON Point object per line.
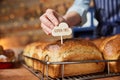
{"type": "Point", "coordinates": [110, 47]}
{"type": "Point", "coordinates": [71, 50]}
{"type": "Point", "coordinates": [34, 50]}
{"type": "Point", "coordinates": [98, 41]}
{"type": "Point", "coordinates": [111, 51]}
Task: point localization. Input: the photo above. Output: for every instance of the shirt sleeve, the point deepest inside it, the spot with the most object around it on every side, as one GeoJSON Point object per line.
{"type": "Point", "coordinates": [79, 6]}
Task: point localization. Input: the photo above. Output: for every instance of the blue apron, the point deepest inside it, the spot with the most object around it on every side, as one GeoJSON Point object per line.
{"type": "Point", "coordinates": [107, 12]}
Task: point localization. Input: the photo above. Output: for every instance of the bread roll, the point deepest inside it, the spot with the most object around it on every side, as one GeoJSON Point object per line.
{"type": "Point", "coordinates": [71, 50]}
{"type": "Point", "coordinates": [7, 55]}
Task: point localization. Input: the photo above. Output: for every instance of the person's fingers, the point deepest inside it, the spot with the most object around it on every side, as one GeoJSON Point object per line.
{"type": "Point", "coordinates": [49, 20]}
{"type": "Point", "coordinates": [46, 29]}
{"type": "Point", "coordinates": [46, 21]}
{"type": "Point", "coordinates": [51, 14]}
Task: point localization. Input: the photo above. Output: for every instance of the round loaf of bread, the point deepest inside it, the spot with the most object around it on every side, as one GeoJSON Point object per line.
{"type": "Point", "coordinates": [70, 50]}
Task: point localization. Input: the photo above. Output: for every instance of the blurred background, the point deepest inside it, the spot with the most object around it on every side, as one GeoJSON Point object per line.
{"type": "Point", "coordinates": [19, 21]}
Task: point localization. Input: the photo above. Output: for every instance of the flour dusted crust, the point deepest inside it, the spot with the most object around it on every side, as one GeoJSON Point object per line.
{"type": "Point", "coordinates": [72, 49]}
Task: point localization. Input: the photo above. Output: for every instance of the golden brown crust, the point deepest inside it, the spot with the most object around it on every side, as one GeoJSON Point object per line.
{"type": "Point", "coordinates": [106, 40]}
{"type": "Point", "coordinates": [112, 52]}
{"type": "Point", "coordinates": [98, 41]}
{"type": "Point", "coordinates": [72, 49]}
{"type": "Point", "coordinates": [110, 47]}
{"type": "Point", "coordinates": [34, 50]}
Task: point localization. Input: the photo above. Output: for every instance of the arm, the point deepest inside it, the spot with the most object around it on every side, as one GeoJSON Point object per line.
{"type": "Point", "coordinates": [75, 12]}
{"type": "Point", "coordinates": [51, 18]}
{"type": "Point", "coordinates": [72, 18]}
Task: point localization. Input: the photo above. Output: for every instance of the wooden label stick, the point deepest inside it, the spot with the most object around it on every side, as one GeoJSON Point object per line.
{"type": "Point", "coordinates": [61, 39]}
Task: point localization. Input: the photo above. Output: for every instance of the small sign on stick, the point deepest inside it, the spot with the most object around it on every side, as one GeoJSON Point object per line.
{"type": "Point", "coordinates": [62, 30]}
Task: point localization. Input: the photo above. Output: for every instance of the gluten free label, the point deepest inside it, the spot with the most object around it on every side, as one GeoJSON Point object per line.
{"type": "Point", "coordinates": [62, 30]}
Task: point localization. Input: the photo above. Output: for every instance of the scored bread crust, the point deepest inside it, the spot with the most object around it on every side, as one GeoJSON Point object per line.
{"type": "Point", "coordinates": [72, 49]}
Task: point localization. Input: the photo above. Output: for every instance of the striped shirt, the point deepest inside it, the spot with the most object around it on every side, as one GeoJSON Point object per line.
{"type": "Point", "coordinates": [109, 16]}
{"type": "Point", "coordinates": [107, 13]}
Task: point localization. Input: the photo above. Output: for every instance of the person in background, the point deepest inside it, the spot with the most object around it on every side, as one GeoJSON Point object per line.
{"type": "Point", "coordinates": [107, 12]}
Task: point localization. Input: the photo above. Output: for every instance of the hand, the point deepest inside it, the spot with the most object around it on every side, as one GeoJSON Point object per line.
{"type": "Point", "coordinates": [49, 20]}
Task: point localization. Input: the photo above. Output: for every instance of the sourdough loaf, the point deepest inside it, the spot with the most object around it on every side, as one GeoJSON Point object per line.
{"type": "Point", "coordinates": [72, 49]}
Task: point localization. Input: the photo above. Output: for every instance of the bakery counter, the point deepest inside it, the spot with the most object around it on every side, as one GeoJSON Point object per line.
{"type": "Point", "coordinates": [23, 74]}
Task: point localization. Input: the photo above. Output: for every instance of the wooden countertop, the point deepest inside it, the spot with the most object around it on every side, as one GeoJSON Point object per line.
{"type": "Point", "coordinates": [16, 74]}
{"type": "Point", "coordinates": [22, 73]}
